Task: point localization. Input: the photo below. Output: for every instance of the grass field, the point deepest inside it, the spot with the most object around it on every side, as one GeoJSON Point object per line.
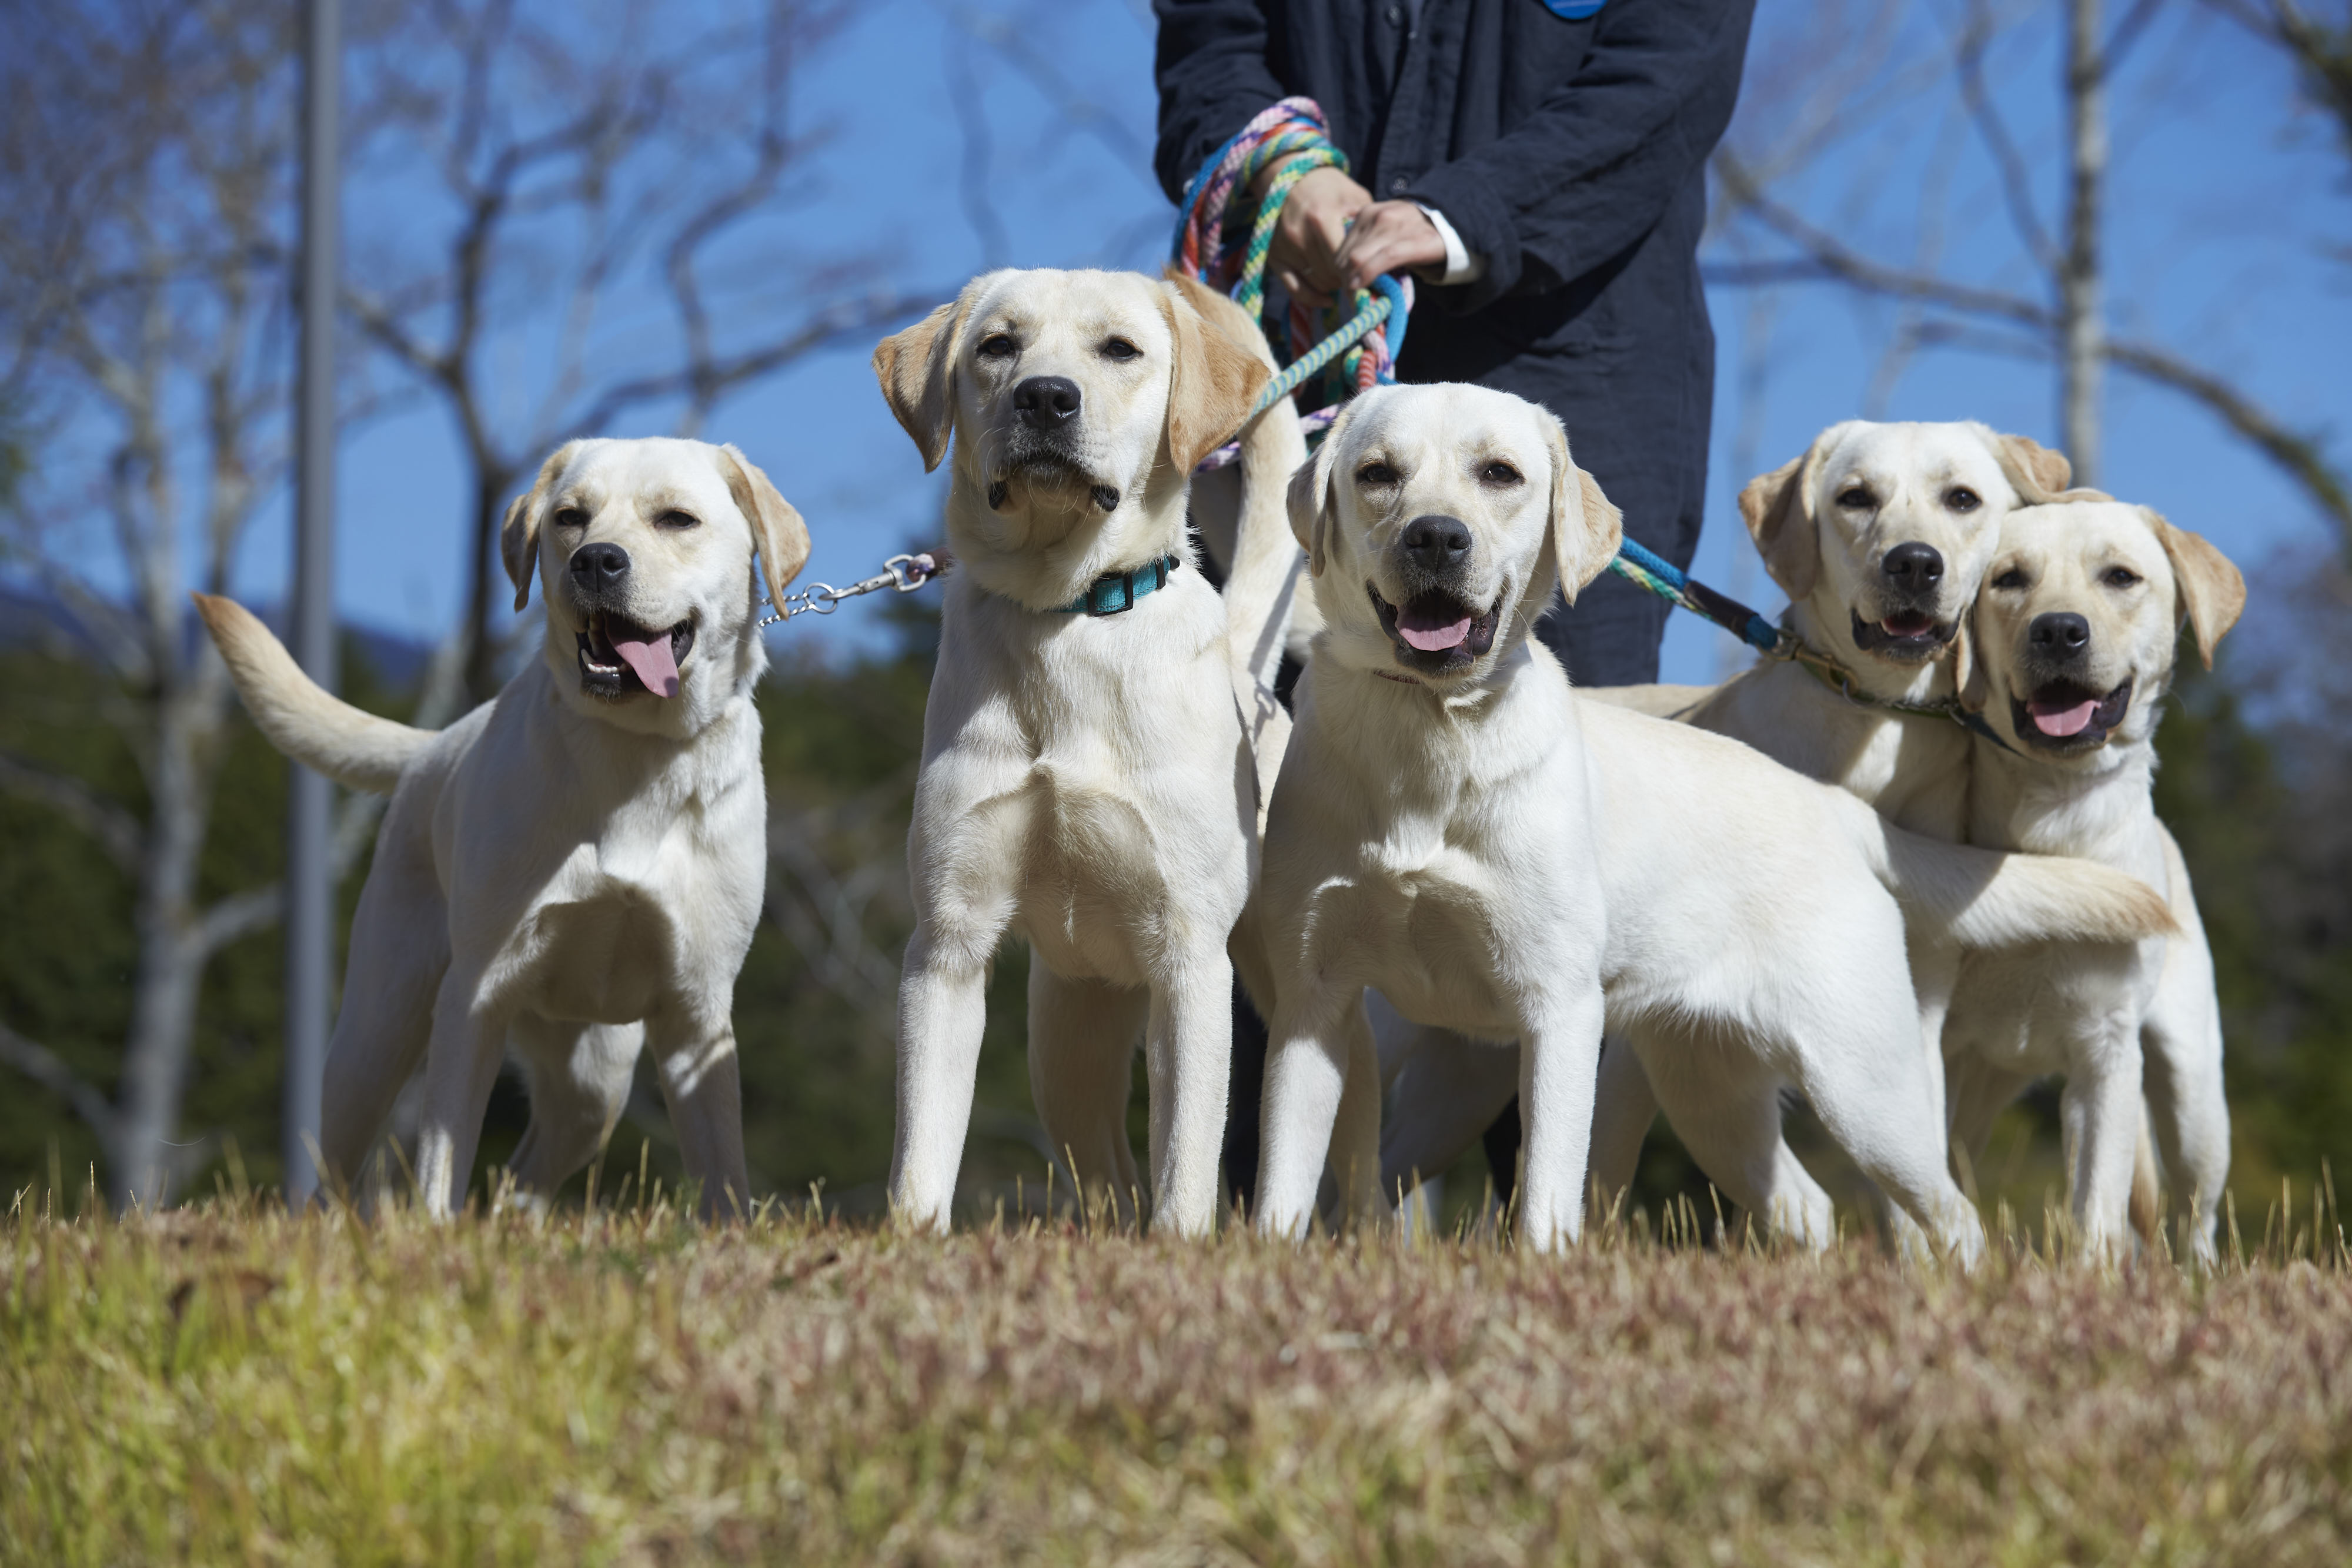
{"type": "Point", "coordinates": [221, 1386]}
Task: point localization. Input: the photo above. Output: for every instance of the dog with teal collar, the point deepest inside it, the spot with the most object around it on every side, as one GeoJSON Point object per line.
{"type": "Point", "coordinates": [1097, 728]}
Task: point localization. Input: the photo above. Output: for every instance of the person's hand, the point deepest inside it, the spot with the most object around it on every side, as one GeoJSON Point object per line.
{"type": "Point", "coordinates": [1389, 236]}
{"type": "Point", "coordinates": [1307, 236]}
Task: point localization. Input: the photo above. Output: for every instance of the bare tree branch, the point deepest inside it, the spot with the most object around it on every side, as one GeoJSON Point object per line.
{"type": "Point", "coordinates": [2322, 53]}
{"type": "Point", "coordinates": [116, 830]}
{"type": "Point", "coordinates": [2016, 183]}
{"type": "Point", "coordinates": [45, 1068]}
{"type": "Point", "coordinates": [830, 325]}
{"type": "Point", "coordinates": [2302, 457]}
{"type": "Point", "coordinates": [237, 915]}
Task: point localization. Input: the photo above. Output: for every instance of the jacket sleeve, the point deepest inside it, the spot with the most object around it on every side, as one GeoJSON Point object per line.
{"type": "Point", "coordinates": [1210, 66]}
{"type": "Point", "coordinates": [1596, 166]}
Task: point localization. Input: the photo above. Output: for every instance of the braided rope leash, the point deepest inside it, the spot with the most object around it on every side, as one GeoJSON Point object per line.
{"type": "Point", "coordinates": [902, 573]}
{"type": "Point", "coordinates": [1292, 139]}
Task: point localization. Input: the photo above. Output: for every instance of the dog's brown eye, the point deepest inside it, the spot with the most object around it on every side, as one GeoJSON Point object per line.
{"type": "Point", "coordinates": [1857, 497]}
{"type": "Point", "coordinates": [674, 519]}
{"type": "Point", "coordinates": [1960, 499]}
{"type": "Point", "coordinates": [1120, 348]}
{"type": "Point", "coordinates": [571, 517]}
{"type": "Point", "coordinates": [1498, 473]}
{"type": "Point", "coordinates": [2120, 577]}
{"type": "Point", "coordinates": [997, 345]}
{"type": "Point", "coordinates": [1375, 474]}
{"type": "Point", "coordinates": [2012, 578]}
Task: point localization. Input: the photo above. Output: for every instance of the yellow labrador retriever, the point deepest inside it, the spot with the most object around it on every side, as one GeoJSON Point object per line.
{"type": "Point", "coordinates": [574, 868]}
{"type": "Point", "coordinates": [1091, 750]}
{"type": "Point", "coordinates": [1879, 533]}
{"type": "Point", "coordinates": [1455, 828]}
{"type": "Point", "coordinates": [2077, 630]}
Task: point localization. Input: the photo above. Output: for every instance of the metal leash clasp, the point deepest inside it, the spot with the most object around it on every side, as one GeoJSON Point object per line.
{"type": "Point", "coordinates": [900, 573]}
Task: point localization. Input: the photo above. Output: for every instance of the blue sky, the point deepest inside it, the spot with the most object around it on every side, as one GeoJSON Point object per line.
{"type": "Point", "coordinates": [2224, 205]}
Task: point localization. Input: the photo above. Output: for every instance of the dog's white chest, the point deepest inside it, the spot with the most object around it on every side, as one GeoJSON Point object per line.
{"type": "Point", "coordinates": [646, 896]}
{"type": "Point", "coordinates": [1416, 918]}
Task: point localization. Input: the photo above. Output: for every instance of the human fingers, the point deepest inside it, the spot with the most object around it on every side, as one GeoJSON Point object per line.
{"type": "Point", "coordinates": [1389, 236]}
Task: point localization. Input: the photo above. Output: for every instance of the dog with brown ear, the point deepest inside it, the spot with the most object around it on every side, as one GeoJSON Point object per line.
{"type": "Point", "coordinates": [1090, 783]}
{"type": "Point", "coordinates": [573, 870]}
{"type": "Point", "coordinates": [2077, 631]}
{"type": "Point", "coordinates": [1879, 533]}
{"type": "Point", "coordinates": [1504, 860]}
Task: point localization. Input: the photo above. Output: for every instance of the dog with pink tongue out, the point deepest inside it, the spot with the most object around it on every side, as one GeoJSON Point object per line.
{"type": "Point", "coordinates": [573, 870]}
{"type": "Point", "coordinates": [2075, 629]}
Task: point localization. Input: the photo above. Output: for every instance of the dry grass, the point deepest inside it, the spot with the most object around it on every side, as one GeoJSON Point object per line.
{"type": "Point", "coordinates": [617, 1385]}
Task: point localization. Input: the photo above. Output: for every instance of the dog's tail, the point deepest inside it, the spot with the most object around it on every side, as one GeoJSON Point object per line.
{"type": "Point", "coordinates": [1989, 898]}
{"type": "Point", "coordinates": [354, 748]}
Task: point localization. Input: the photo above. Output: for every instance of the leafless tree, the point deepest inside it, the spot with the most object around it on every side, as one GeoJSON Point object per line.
{"type": "Point", "coordinates": [569, 165]}
{"type": "Point", "coordinates": [586, 165]}
{"type": "Point", "coordinates": [1798, 233]}
{"type": "Point", "coordinates": [148, 148]}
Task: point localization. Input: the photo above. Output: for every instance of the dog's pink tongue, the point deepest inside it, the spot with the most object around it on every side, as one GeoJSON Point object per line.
{"type": "Point", "coordinates": [652, 659]}
{"type": "Point", "coordinates": [1431, 635]}
{"type": "Point", "coordinates": [2063, 718]}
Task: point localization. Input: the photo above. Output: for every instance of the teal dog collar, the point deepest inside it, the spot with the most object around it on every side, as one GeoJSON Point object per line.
{"type": "Point", "coordinates": [1115, 592]}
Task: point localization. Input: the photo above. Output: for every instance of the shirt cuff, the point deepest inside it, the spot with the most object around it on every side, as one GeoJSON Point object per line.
{"type": "Point", "coordinates": [1461, 266]}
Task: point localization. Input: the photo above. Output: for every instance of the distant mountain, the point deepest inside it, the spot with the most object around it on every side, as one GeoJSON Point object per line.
{"type": "Point", "coordinates": [33, 617]}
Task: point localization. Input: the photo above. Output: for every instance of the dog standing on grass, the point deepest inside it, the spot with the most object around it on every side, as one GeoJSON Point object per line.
{"type": "Point", "coordinates": [1090, 775]}
{"type": "Point", "coordinates": [1457, 828]}
{"type": "Point", "coordinates": [1880, 535]}
{"type": "Point", "coordinates": [574, 869]}
{"type": "Point", "coordinates": [2077, 631]}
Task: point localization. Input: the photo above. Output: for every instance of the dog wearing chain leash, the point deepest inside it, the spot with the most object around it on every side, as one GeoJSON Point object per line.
{"type": "Point", "coordinates": [1098, 740]}
{"type": "Point", "coordinates": [572, 871]}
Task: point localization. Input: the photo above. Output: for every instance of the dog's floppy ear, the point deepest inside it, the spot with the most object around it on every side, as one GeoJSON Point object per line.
{"type": "Point", "coordinates": [519, 534]}
{"type": "Point", "coordinates": [2212, 592]}
{"type": "Point", "coordinates": [1585, 527]}
{"type": "Point", "coordinates": [916, 370]}
{"type": "Point", "coordinates": [1778, 508]}
{"type": "Point", "coordinates": [776, 527]}
{"type": "Point", "coordinates": [1216, 377]}
{"type": "Point", "coordinates": [2039, 473]}
{"type": "Point", "coordinates": [1311, 506]}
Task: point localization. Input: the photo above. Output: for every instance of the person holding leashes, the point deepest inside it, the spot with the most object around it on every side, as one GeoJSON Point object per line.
{"type": "Point", "coordinates": [1540, 168]}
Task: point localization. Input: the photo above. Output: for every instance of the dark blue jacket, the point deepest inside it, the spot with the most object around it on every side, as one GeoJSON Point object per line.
{"type": "Point", "coordinates": [1572, 154]}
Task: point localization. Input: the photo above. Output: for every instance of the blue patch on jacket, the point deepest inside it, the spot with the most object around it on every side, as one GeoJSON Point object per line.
{"type": "Point", "coordinates": [1574, 10]}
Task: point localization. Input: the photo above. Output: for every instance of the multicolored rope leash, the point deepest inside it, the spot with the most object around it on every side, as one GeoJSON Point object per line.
{"type": "Point", "coordinates": [1293, 139]}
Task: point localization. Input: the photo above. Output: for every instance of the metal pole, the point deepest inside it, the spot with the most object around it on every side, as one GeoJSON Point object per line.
{"type": "Point", "coordinates": [310, 886]}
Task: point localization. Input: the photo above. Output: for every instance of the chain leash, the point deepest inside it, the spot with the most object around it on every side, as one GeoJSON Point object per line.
{"type": "Point", "coordinates": [900, 573]}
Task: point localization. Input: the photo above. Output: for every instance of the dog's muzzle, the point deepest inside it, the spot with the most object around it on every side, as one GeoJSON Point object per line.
{"type": "Point", "coordinates": [1435, 631]}
{"type": "Point", "coordinates": [619, 658]}
{"type": "Point", "coordinates": [2066, 717]}
{"type": "Point", "coordinates": [1041, 456]}
{"type": "Point", "coordinates": [1906, 628]}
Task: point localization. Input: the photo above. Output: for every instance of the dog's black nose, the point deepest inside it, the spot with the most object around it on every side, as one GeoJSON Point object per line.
{"type": "Point", "coordinates": [1913, 568]}
{"type": "Point", "coordinates": [599, 566]}
{"type": "Point", "coordinates": [2058, 635]}
{"type": "Point", "coordinates": [1436, 544]}
{"type": "Point", "coordinates": [1047, 402]}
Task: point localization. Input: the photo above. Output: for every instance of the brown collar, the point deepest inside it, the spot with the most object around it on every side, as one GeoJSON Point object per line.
{"type": "Point", "coordinates": [1392, 675]}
